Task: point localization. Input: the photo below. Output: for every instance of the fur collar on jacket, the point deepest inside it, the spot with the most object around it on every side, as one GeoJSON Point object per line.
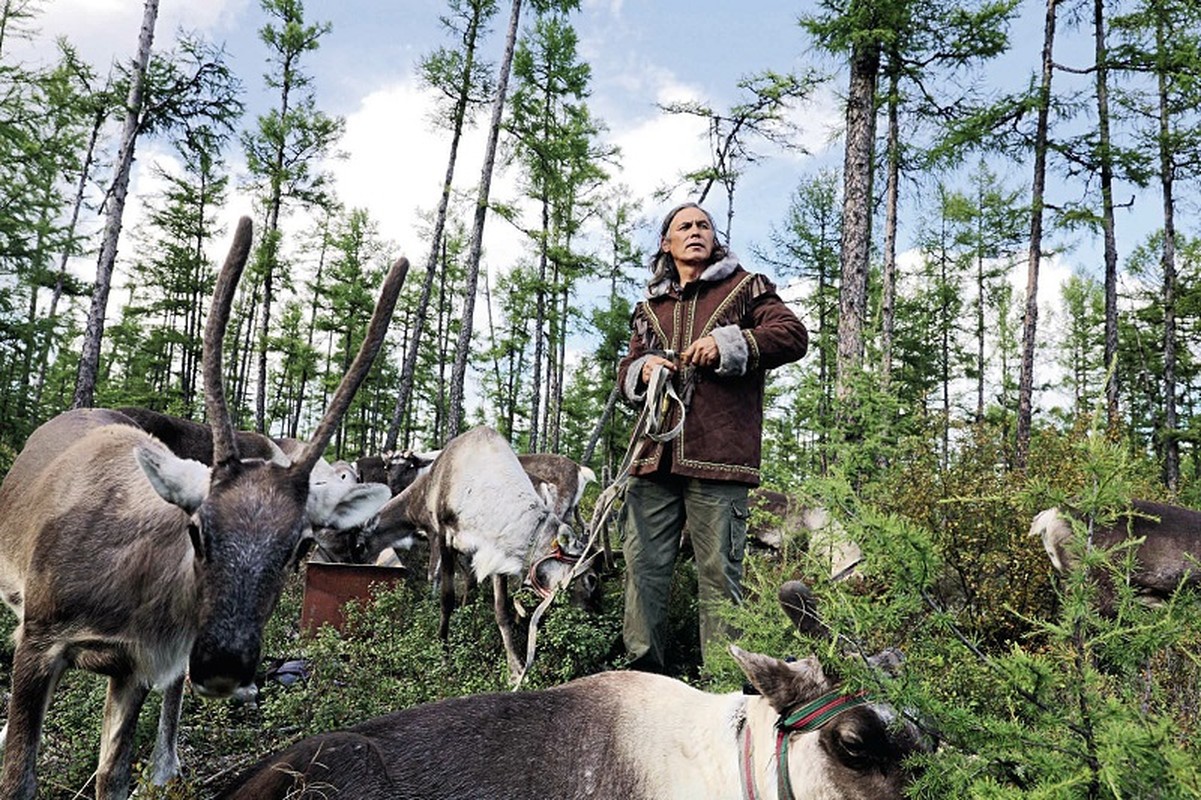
{"type": "Point", "coordinates": [714, 272]}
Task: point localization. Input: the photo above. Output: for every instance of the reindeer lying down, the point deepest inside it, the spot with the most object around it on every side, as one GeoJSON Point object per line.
{"type": "Point", "coordinates": [628, 735]}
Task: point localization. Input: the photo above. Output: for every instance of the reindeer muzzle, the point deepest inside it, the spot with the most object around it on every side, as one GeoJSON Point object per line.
{"type": "Point", "coordinates": [217, 674]}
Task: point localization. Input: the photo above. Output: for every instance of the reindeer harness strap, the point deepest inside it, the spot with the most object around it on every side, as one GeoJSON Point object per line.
{"type": "Point", "coordinates": [812, 716]}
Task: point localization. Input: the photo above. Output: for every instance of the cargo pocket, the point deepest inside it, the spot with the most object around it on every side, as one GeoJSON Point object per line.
{"type": "Point", "coordinates": [738, 519]}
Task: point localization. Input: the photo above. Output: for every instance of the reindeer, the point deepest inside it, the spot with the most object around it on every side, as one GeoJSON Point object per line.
{"type": "Point", "coordinates": [121, 558]}
{"type": "Point", "coordinates": [397, 470]}
{"type": "Point", "coordinates": [476, 500]}
{"type": "Point", "coordinates": [569, 479]}
{"type": "Point", "coordinates": [1167, 554]}
{"type": "Point", "coordinates": [190, 439]}
{"type": "Point", "coordinates": [551, 475]}
{"type": "Point", "coordinates": [631, 735]}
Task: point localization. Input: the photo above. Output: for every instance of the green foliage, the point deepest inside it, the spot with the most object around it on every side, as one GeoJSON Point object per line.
{"type": "Point", "coordinates": [1031, 691]}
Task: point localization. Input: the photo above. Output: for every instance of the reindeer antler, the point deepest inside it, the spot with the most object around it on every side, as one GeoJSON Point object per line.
{"type": "Point", "coordinates": [359, 367]}
{"type": "Point", "coordinates": [224, 443]}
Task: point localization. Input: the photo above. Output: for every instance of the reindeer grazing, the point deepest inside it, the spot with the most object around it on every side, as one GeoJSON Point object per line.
{"type": "Point", "coordinates": [476, 500]}
{"type": "Point", "coordinates": [630, 735]}
{"type": "Point", "coordinates": [122, 558]}
{"type": "Point", "coordinates": [1167, 557]}
{"type": "Point", "coordinates": [397, 470]}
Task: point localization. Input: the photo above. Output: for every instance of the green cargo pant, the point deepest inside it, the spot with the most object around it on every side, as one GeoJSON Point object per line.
{"type": "Point", "coordinates": [653, 515]}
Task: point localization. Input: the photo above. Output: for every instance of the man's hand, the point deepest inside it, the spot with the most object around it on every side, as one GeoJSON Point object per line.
{"type": "Point", "coordinates": [701, 353]}
{"type": "Point", "coordinates": [648, 366]}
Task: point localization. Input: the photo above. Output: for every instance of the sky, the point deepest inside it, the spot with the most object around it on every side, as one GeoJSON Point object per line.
{"type": "Point", "coordinates": [642, 53]}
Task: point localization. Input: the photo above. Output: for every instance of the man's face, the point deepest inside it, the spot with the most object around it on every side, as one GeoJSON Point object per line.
{"type": "Point", "coordinates": [689, 237]}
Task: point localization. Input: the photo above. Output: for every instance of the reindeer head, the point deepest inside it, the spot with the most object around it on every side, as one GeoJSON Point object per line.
{"type": "Point", "coordinates": [251, 520]}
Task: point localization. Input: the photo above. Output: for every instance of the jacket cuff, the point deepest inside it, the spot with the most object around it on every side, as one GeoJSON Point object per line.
{"type": "Point", "coordinates": [732, 349]}
{"type": "Point", "coordinates": [633, 388]}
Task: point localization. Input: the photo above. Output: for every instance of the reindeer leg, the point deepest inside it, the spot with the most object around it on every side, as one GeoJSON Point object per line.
{"type": "Point", "coordinates": [166, 752]}
{"type": "Point", "coordinates": [121, 707]}
{"type": "Point", "coordinates": [504, 621]}
{"type": "Point", "coordinates": [35, 674]}
{"type": "Point", "coordinates": [446, 571]}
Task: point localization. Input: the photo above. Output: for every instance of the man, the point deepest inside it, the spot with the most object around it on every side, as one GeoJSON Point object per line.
{"type": "Point", "coordinates": [728, 326]}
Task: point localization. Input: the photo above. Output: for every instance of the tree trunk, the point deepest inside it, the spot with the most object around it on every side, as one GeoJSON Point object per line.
{"type": "Point", "coordinates": [1030, 323]}
{"type": "Point", "coordinates": [539, 329]}
{"type": "Point", "coordinates": [889, 284]}
{"type": "Point", "coordinates": [857, 218]}
{"type": "Point", "coordinates": [1112, 386]}
{"type": "Point", "coordinates": [459, 116]}
{"type": "Point", "coordinates": [314, 309]}
{"type": "Point", "coordinates": [57, 293]}
{"type": "Point", "coordinates": [1171, 445]}
{"type": "Point", "coordinates": [89, 358]}
{"type": "Point", "coordinates": [463, 350]}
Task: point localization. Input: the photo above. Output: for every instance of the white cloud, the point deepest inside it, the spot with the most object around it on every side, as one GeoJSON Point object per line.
{"type": "Point", "coordinates": [397, 165]}
{"type": "Point", "coordinates": [104, 31]}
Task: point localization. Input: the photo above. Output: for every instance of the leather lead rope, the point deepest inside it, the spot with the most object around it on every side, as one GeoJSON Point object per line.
{"type": "Point", "coordinates": [660, 395]}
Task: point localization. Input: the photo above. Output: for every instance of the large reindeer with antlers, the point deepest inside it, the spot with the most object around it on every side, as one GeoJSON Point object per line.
{"type": "Point", "coordinates": [121, 558]}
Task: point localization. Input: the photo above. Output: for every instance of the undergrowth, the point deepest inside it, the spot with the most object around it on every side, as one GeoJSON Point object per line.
{"type": "Point", "coordinates": [1030, 692]}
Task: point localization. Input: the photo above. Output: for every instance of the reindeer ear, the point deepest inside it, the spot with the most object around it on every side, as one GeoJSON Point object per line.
{"type": "Point", "coordinates": [278, 456]}
{"type": "Point", "coordinates": [786, 684]}
{"type": "Point", "coordinates": [800, 604]}
{"type": "Point", "coordinates": [340, 506]}
{"type": "Point", "coordinates": [180, 481]}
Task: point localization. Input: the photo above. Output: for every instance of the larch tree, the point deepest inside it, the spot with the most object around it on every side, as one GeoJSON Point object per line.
{"type": "Point", "coordinates": [554, 139]}
{"type": "Point", "coordinates": [766, 115]}
{"type": "Point", "coordinates": [994, 237]}
{"type": "Point", "coordinates": [1160, 40]}
{"type": "Point", "coordinates": [464, 84]}
{"type": "Point", "coordinates": [932, 62]}
{"type": "Point", "coordinates": [1077, 351]}
{"type": "Point", "coordinates": [620, 221]}
{"type": "Point", "coordinates": [458, 375]}
{"type": "Point", "coordinates": [858, 29]}
{"type": "Point", "coordinates": [194, 99]}
{"type": "Point", "coordinates": [282, 155]}
{"type": "Point", "coordinates": [805, 245]}
{"type": "Point", "coordinates": [43, 151]}
{"type": "Point", "coordinates": [1038, 184]}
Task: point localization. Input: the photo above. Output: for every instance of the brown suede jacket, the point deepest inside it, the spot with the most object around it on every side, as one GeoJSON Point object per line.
{"type": "Point", "coordinates": [755, 331]}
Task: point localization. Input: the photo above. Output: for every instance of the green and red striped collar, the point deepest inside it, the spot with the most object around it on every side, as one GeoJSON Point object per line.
{"type": "Point", "coordinates": [812, 716]}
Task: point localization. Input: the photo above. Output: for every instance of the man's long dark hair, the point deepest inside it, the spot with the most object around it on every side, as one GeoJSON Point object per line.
{"type": "Point", "coordinates": [662, 265]}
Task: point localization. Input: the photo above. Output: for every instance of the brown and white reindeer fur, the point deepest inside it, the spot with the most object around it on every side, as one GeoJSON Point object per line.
{"type": "Point", "coordinates": [476, 500]}
{"type": "Point", "coordinates": [122, 558]}
{"type": "Point", "coordinates": [569, 480]}
{"type": "Point", "coordinates": [1167, 558]}
{"type": "Point", "coordinates": [628, 735]}
{"type": "Point", "coordinates": [190, 439]}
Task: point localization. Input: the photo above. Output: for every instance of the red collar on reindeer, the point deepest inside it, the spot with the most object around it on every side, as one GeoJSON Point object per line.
{"type": "Point", "coordinates": [557, 553]}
